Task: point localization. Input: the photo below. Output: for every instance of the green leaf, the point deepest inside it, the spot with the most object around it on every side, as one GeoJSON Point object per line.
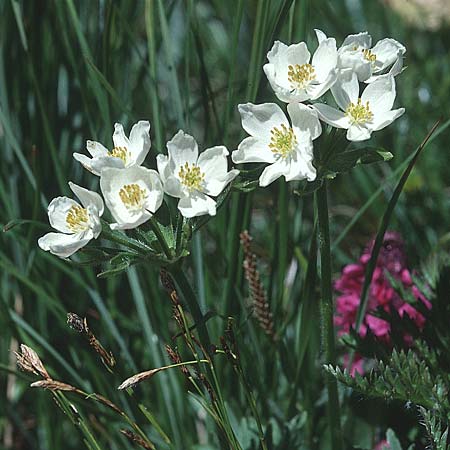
{"type": "Point", "coordinates": [370, 268]}
{"type": "Point", "coordinates": [343, 162]}
{"type": "Point", "coordinates": [394, 443]}
{"type": "Point", "coordinates": [245, 185]}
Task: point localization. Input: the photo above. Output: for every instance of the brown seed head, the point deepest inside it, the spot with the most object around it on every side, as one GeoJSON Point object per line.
{"type": "Point", "coordinates": [29, 361]}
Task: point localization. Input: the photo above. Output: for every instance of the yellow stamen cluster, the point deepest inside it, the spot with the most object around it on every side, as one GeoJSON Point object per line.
{"type": "Point", "coordinates": [368, 55]}
{"type": "Point", "coordinates": [282, 142]}
{"type": "Point", "coordinates": [77, 219]}
{"type": "Point", "coordinates": [191, 176]}
{"type": "Point", "coordinates": [359, 113]}
{"type": "Point", "coordinates": [120, 152]}
{"type": "Point", "coordinates": [132, 196]}
{"type": "Point", "coordinates": [300, 75]}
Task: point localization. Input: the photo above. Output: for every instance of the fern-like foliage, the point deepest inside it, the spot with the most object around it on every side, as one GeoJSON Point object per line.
{"type": "Point", "coordinates": [405, 378]}
{"type": "Point", "coordinates": [438, 438]}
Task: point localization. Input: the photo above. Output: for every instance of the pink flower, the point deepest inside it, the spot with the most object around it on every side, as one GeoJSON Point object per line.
{"type": "Point", "coordinates": [382, 445]}
{"type": "Point", "coordinates": [392, 258]}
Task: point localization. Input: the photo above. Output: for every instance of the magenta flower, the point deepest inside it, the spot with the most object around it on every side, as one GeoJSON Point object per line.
{"type": "Point", "coordinates": [382, 445]}
{"type": "Point", "coordinates": [392, 258]}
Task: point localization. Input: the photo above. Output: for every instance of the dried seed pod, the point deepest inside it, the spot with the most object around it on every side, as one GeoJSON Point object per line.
{"type": "Point", "coordinates": [133, 437]}
{"type": "Point", "coordinates": [54, 385]}
{"type": "Point", "coordinates": [81, 326]}
{"type": "Point", "coordinates": [261, 308]}
{"type": "Point", "coordinates": [138, 378]}
{"type": "Point", "coordinates": [29, 361]}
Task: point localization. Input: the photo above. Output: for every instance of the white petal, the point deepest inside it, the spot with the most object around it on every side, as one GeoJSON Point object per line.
{"type": "Point", "coordinates": [140, 141]}
{"type": "Point", "coordinates": [354, 60]}
{"type": "Point", "coordinates": [119, 138]}
{"type": "Point", "coordinates": [397, 67]}
{"type": "Point", "coordinates": [363, 40]}
{"type": "Point", "coordinates": [213, 162]}
{"type": "Point", "coordinates": [321, 36]}
{"type": "Point", "coordinates": [57, 213]}
{"type": "Point", "coordinates": [252, 149]}
{"type": "Point", "coordinates": [162, 163]}
{"type": "Point", "coordinates": [293, 96]}
{"type": "Point", "coordinates": [358, 133]}
{"type": "Point", "coordinates": [156, 193]}
{"type": "Point", "coordinates": [380, 94]}
{"type": "Point", "coordinates": [332, 116]}
{"type": "Point", "coordinates": [86, 163]}
{"type": "Point", "coordinates": [301, 168]}
{"type": "Point", "coordinates": [314, 91]}
{"type": "Point", "coordinates": [96, 149]}
{"type": "Point", "coordinates": [198, 204]}
{"type": "Point", "coordinates": [137, 220]}
{"type": "Point", "coordinates": [305, 117]}
{"type": "Point", "coordinates": [64, 245]}
{"type": "Point", "coordinates": [215, 186]}
{"type": "Point", "coordinates": [274, 171]}
{"type": "Point", "coordinates": [325, 59]}
{"type": "Point", "coordinates": [258, 120]}
{"type": "Point", "coordinates": [346, 89]}
{"type": "Point", "coordinates": [95, 225]}
{"type": "Point", "coordinates": [387, 51]}
{"type": "Point", "coordinates": [297, 54]}
{"type": "Point", "coordinates": [182, 149]}
{"type": "Point", "coordinates": [101, 162]}
{"type": "Point", "coordinates": [385, 119]}
{"type": "Point", "coordinates": [173, 187]}
{"type": "Point", "coordinates": [278, 49]}
{"type": "Point", "coordinates": [87, 197]}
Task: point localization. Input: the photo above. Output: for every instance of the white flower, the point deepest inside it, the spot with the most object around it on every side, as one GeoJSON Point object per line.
{"type": "Point", "coordinates": [126, 152]}
{"type": "Point", "coordinates": [193, 178]}
{"type": "Point", "coordinates": [361, 115]}
{"type": "Point", "coordinates": [294, 77]}
{"type": "Point", "coordinates": [357, 53]}
{"type": "Point", "coordinates": [78, 224]}
{"type": "Point", "coordinates": [287, 148]}
{"type": "Point", "coordinates": [132, 195]}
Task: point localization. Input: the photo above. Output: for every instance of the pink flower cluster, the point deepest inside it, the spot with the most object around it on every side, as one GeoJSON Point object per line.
{"type": "Point", "coordinates": [392, 258]}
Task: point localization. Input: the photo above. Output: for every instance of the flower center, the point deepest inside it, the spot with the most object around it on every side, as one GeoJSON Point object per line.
{"type": "Point", "coordinates": [282, 142]}
{"type": "Point", "coordinates": [191, 176]}
{"type": "Point", "coordinates": [368, 55]}
{"type": "Point", "coordinates": [120, 152]}
{"type": "Point", "coordinates": [301, 75]}
{"type": "Point", "coordinates": [133, 196]}
{"type": "Point", "coordinates": [359, 113]}
{"type": "Point", "coordinates": [77, 219]}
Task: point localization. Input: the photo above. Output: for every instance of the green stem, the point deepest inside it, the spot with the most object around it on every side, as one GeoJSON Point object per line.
{"type": "Point", "coordinates": [326, 310]}
{"type": "Point", "coordinates": [187, 293]}
{"type": "Point", "coordinates": [161, 239]}
{"type": "Point", "coordinates": [125, 240]}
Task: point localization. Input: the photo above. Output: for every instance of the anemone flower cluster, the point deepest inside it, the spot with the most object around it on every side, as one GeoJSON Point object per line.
{"type": "Point", "coordinates": [284, 142]}
{"type": "Point", "coordinates": [392, 259]}
{"type": "Point", "coordinates": [297, 77]}
{"type": "Point", "coordinates": [132, 192]}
